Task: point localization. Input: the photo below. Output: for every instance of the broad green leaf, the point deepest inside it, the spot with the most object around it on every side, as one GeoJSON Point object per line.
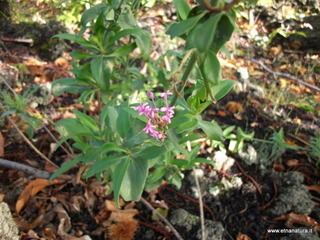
{"type": "Point", "coordinates": [112, 118]}
{"type": "Point", "coordinates": [102, 165]}
{"type": "Point", "coordinates": [151, 152]}
{"type": "Point", "coordinates": [100, 72]}
{"type": "Point", "coordinates": [9, 112]}
{"type": "Point", "coordinates": [123, 50]}
{"type": "Point", "coordinates": [201, 37]}
{"type": "Point", "coordinates": [123, 123]}
{"type": "Point", "coordinates": [190, 138]}
{"type": "Point", "coordinates": [65, 167]}
{"type": "Point", "coordinates": [187, 126]}
{"type": "Point", "coordinates": [183, 8]}
{"type": "Point", "coordinates": [126, 19]}
{"type": "Point", "coordinates": [224, 31]}
{"type": "Point", "coordinates": [116, 3]}
{"type": "Point", "coordinates": [222, 88]}
{"type": "Point", "coordinates": [86, 120]}
{"type": "Point", "coordinates": [134, 180]}
{"type": "Point", "coordinates": [118, 176]}
{"type": "Point", "coordinates": [78, 39]}
{"type": "Point", "coordinates": [143, 41]}
{"type": "Point", "coordinates": [211, 68]}
{"type": "Point", "coordinates": [110, 147]}
{"type": "Point", "coordinates": [80, 55]}
{"type": "Point", "coordinates": [180, 28]}
{"type": "Point", "coordinates": [70, 85]}
{"type": "Point", "coordinates": [92, 13]}
{"type": "Point", "coordinates": [157, 174]}
{"type": "Point", "coordinates": [212, 129]}
{"type": "Point", "coordinates": [74, 128]}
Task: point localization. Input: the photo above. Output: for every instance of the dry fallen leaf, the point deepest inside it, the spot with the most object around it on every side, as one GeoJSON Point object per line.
{"type": "Point", "coordinates": [122, 224]}
{"type": "Point", "coordinates": [242, 236]}
{"type": "Point", "coordinates": [314, 188]}
{"type": "Point", "coordinates": [294, 218]}
{"type": "Point", "coordinates": [234, 107]}
{"type": "Point", "coordinates": [32, 189]}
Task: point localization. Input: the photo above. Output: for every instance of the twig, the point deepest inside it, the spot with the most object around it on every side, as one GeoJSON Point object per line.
{"type": "Point", "coordinates": [148, 205]}
{"type": "Point", "coordinates": [30, 170]}
{"type": "Point", "coordinates": [30, 143]}
{"type": "Point", "coordinates": [19, 40]}
{"type": "Point", "coordinates": [56, 140]}
{"type": "Point", "coordinates": [203, 227]}
{"type": "Point", "coordinates": [285, 75]}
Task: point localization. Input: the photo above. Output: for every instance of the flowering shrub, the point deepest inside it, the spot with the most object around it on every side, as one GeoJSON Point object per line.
{"type": "Point", "coordinates": [157, 123]}
{"type": "Point", "coordinates": [121, 146]}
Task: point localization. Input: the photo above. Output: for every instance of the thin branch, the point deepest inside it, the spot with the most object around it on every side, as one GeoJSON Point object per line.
{"type": "Point", "coordinates": [30, 143]}
{"type": "Point", "coordinates": [148, 205]}
{"type": "Point", "coordinates": [30, 170]}
{"type": "Point", "coordinates": [285, 75]}
{"type": "Point", "coordinates": [203, 227]}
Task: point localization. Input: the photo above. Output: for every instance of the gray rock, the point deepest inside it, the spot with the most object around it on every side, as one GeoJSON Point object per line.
{"type": "Point", "coordinates": [292, 195]}
{"type": "Point", "coordinates": [182, 219]}
{"type": "Point", "coordinates": [8, 228]}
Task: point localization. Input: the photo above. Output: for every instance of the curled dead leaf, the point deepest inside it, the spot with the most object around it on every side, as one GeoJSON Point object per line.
{"type": "Point", "coordinates": [32, 189]}
{"type": "Point", "coordinates": [234, 107]}
{"type": "Point", "coordinates": [242, 236]}
{"type": "Point", "coordinates": [121, 223]}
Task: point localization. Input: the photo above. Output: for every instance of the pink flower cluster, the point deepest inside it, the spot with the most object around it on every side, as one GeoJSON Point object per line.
{"type": "Point", "coordinates": [158, 119]}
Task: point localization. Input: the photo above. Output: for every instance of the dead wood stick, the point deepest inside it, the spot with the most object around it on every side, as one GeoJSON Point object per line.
{"type": "Point", "coordinates": [30, 170]}
{"type": "Point", "coordinates": [148, 205]}
{"type": "Point", "coordinates": [203, 228]}
{"type": "Point", "coordinates": [30, 143]}
{"type": "Point", "coordinates": [19, 40]}
{"type": "Point", "coordinates": [285, 75]}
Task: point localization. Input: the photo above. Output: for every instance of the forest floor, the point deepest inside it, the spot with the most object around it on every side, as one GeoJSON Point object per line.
{"type": "Point", "coordinates": [271, 184]}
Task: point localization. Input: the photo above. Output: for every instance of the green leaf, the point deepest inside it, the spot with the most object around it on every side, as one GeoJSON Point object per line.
{"type": "Point", "coordinates": [92, 13]}
{"type": "Point", "coordinates": [70, 85]}
{"type": "Point", "coordinates": [78, 39]}
{"type": "Point", "coordinates": [9, 112]}
{"type": "Point", "coordinates": [183, 8]}
{"type": "Point", "coordinates": [110, 147]}
{"type": "Point", "coordinates": [65, 167]}
{"type": "Point", "coordinates": [190, 138]}
{"type": "Point", "coordinates": [102, 165]}
{"type": "Point", "coordinates": [100, 72]}
{"type": "Point", "coordinates": [222, 88]}
{"type": "Point", "coordinates": [127, 20]}
{"type": "Point", "coordinates": [201, 37]}
{"type": "Point", "coordinates": [123, 50]}
{"type": "Point", "coordinates": [123, 123]}
{"type": "Point", "coordinates": [212, 129]}
{"type": "Point", "coordinates": [116, 3]}
{"type": "Point", "coordinates": [156, 175]}
{"type": "Point", "coordinates": [86, 120]}
{"type": "Point", "coordinates": [80, 55]}
{"type": "Point", "coordinates": [134, 180]}
{"type": "Point", "coordinates": [143, 41]}
{"type": "Point", "coordinates": [187, 126]}
{"type": "Point", "coordinates": [151, 152]}
{"type": "Point", "coordinates": [211, 68]}
{"type": "Point", "coordinates": [224, 31]}
{"type": "Point", "coordinates": [118, 176]}
{"type": "Point", "coordinates": [180, 28]}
